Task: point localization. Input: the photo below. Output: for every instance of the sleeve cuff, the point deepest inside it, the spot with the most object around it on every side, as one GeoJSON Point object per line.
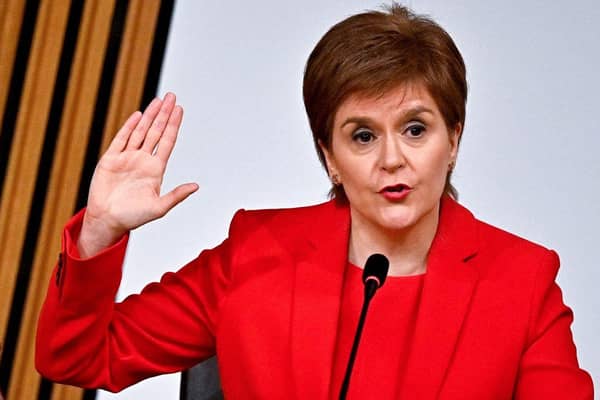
{"type": "Point", "coordinates": [71, 235]}
{"type": "Point", "coordinates": [85, 280]}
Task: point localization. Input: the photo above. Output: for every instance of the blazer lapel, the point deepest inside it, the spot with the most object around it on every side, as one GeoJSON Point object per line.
{"type": "Point", "coordinates": [316, 302]}
{"type": "Point", "coordinates": [448, 288]}
{"type": "Point", "coordinates": [447, 291]}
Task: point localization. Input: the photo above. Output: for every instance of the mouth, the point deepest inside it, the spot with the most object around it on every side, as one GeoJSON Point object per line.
{"type": "Point", "coordinates": [396, 193]}
{"type": "Point", "coordinates": [395, 188]}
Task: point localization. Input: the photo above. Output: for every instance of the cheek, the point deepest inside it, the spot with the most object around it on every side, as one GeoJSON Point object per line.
{"type": "Point", "coordinates": [354, 175]}
{"type": "Point", "coordinates": [435, 164]}
{"type": "Point", "coordinates": [357, 176]}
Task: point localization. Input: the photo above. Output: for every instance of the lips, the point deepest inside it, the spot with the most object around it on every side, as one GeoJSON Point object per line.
{"type": "Point", "coordinates": [395, 192]}
{"type": "Point", "coordinates": [395, 188]}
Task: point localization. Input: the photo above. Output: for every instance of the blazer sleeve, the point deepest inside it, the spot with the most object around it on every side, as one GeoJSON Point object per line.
{"type": "Point", "coordinates": [549, 367]}
{"type": "Point", "coordinates": [86, 339]}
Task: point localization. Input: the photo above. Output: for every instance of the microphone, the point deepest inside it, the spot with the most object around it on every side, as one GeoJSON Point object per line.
{"type": "Point", "coordinates": [374, 274]}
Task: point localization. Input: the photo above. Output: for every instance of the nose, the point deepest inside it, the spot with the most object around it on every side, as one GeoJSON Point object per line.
{"type": "Point", "coordinates": [392, 157]}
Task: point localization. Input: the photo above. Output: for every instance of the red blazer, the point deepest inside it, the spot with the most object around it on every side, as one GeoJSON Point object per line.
{"type": "Point", "coordinates": [491, 322]}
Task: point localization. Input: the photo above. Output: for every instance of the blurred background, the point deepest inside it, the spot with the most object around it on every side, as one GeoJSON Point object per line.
{"type": "Point", "coordinates": [71, 71]}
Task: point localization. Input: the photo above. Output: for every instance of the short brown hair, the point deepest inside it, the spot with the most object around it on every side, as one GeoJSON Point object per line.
{"type": "Point", "coordinates": [373, 52]}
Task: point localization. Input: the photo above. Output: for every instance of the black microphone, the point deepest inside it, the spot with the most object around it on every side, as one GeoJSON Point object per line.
{"type": "Point", "coordinates": [376, 269]}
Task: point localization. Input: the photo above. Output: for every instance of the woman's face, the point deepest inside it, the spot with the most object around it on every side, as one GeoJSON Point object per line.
{"type": "Point", "coordinates": [392, 154]}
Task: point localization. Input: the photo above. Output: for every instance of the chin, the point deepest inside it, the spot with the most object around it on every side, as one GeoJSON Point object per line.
{"type": "Point", "coordinates": [398, 221]}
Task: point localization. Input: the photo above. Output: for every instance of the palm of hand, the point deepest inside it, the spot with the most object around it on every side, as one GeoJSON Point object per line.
{"type": "Point", "coordinates": [126, 186]}
{"type": "Point", "coordinates": [125, 191]}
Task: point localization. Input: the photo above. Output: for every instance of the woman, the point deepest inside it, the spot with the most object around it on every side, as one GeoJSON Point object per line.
{"type": "Point", "coordinates": [468, 311]}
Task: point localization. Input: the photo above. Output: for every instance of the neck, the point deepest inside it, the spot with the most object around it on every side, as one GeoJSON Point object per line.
{"type": "Point", "coordinates": [406, 248]}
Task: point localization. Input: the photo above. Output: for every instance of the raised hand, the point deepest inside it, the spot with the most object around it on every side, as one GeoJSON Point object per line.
{"type": "Point", "coordinates": [125, 189]}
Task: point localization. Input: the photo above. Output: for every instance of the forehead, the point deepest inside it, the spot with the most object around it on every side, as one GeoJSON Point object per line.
{"type": "Point", "coordinates": [398, 100]}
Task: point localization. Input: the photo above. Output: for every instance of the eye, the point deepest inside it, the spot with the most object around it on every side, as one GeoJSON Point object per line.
{"type": "Point", "coordinates": [363, 136]}
{"type": "Point", "coordinates": [415, 131]}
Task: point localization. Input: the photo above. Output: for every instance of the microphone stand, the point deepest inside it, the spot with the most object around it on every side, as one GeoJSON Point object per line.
{"type": "Point", "coordinates": [370, 288]}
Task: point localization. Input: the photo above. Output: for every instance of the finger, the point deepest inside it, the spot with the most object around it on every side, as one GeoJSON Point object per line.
{"type": "Point", "coordinates": [159, 123]}
{"type": "Point", "coordinates": [169, 136]}
{"type": "Point", "coordinates": [176, 196]}
{"type": "Point", "coordinates": [120, 140]}
{"type": "Point", "coordinates": [137, 137]}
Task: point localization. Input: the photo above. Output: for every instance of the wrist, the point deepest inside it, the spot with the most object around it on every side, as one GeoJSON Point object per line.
{"type": "Point", "coordinates": [96, 235]}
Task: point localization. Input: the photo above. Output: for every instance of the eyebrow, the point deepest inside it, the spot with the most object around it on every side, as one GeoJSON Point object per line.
{"type": "Point", "coordinates": [408, 114]}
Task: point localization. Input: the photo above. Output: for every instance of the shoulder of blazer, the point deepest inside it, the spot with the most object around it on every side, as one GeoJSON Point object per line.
{"type": "Point", "coordinates": [495, 236]}
{"type": "Point", "coordinates": [502, 253]}
{"type": "Point", "coordinates": [494, 251]}
{"type": "Point", "coordinates": [294, 228]}
{"type": "Point", "coordinates": [281, 233]}
{"type": "Point", "coordinates": [497, 240]}
{"type": "Point", "coordinates": [297, 222]}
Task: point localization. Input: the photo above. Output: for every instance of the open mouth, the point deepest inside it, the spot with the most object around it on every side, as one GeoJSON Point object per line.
{"type": "Point", "coordinates": [395, 189]}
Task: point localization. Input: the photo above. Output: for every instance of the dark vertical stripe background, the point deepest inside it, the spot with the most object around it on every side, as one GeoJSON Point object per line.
{"type": "Point", "coordinates": [41, 189]}
{"type": "Point", "coordinates": [16, 89]}
{"type": "Point", "coordinates": [51, 134]}
{"type": "Point", "coordinates": [102, 99]}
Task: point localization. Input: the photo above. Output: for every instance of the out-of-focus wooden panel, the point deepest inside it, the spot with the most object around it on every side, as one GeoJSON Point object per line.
{"type": "Point", "coordinates": [132, 65]}
{"type": "Point", "coordinates": [64, 392]}
{"type": "Point", "coordinates": [11, 16]}
{"type": "Point", "coordinates": [134, 56]}
{"type": "Point", "coordinates": [67, 164]}
{"type": "Point", "coordinates": [70, 152]}
{"type": "Point", "coordinates": [27, 145]}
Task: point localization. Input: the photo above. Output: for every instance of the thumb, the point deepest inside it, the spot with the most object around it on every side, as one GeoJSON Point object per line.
{"type": "Point", "coordinates": [175, 196]}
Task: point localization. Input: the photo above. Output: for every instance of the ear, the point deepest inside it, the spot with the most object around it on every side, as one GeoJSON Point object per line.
{"type": "Point", "coordinates": [329, 160]}
{"type": "Point", "coordinates": [454, 137]}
